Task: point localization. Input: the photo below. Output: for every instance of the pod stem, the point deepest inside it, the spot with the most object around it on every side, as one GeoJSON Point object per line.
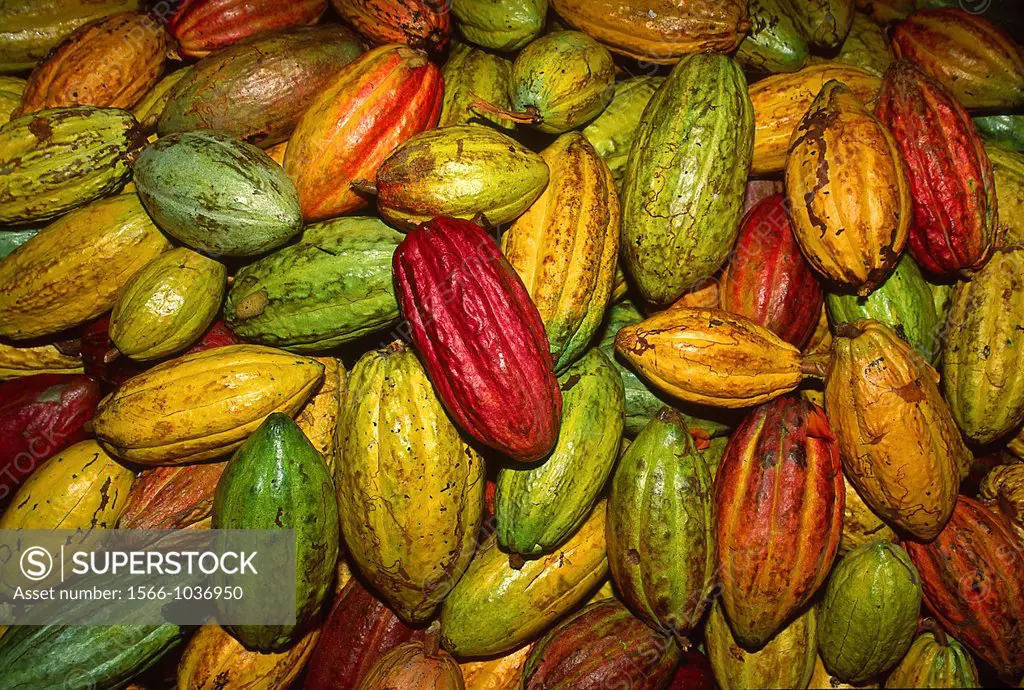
{"type": "Point", "coordinates": [682, 641]}
{"type": "Point", "coordinates": [516, 561]}
{"type": "Point", "coordinates": [929, 625]}
{"type": "Point", "coordinates": [848, 330]}
{"type": "Point", "coordinates": [432, 639]}
{"type": "Point", "coordinates": [815, 366]}
{"type": "Point", "coordinates": [529, 116]}
{"type": "Point", "coordinates": [111, 355]}
{"type": "Point", "coordinates": [364, 187]}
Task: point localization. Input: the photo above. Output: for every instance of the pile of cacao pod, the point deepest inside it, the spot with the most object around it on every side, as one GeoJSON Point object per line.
{"type": "Point", "coordinates": [611, 343]}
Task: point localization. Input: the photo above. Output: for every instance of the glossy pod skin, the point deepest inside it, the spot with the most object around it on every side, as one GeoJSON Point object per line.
{"type": "Point", "coordinates": [422, 24]}
{"type": "Point", "coordinates": [774, 43]}
{"type": "Point", "coordinates": [202, 26]}
{"type": "Point", "coordinates": [471, 74]}
{"type": "Point", "coordinates": [504, 25]}
{"type": "Point", "coordinates": [214, 658]}
{"type": "Point", "coordinates": [174, 497]}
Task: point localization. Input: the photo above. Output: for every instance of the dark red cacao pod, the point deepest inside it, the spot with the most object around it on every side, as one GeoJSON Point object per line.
{"type": "Point", "coordinates": [101, 359]}
{"type": "Point", "coordinates": [175, 497]}
{"type": "Point", "coordinates": [972, 575]}
{"type": "Point", "coordinates": [693, 673]}
{"type": "Point", "coordinates": [950, 175]}
{"type": "Point", "coordinates": [480, 337]}
{"type": "Point", "coordinates": [40, 416]}
{"type": "Point", "coordinates": [203, 26]}
{"type": "Point", "coordinates": [603, 645]}
{"type": "Point", "coordinates": [779, 500]}
{"type": "Point", "coordinates": [217, 335]}
{"type": "Point", "coordinates": [358, 631]}
{"type": "Point", "coordinates": [767, 279]}
{"type": "Point", "coordinates": [422, 24]}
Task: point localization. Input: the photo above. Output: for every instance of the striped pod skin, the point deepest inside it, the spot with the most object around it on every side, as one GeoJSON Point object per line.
{"type": "Point", "coordinates": [778, 505]}
{"type": "Point", "coordinates": [203, 26]}
{"type": "Point", "coordinates": [934, 660]}
{"type": "Point", "coordinates": [422, 24]}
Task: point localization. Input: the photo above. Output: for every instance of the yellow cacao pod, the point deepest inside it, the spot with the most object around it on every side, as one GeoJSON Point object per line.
{"type": "Point", "coordinates": [821, 678]}
{"type": "Point", "coordinates": [860, 524]}
{"type": "Point", "coordinates": [318, 418]}
{"type": "Point", "coordinates": [18, 361]}
{"type": "Point", "coordinates": [1002, 490]}
{"type": "Point", "coordinates": [502, 673]}
{"type": "Point", "coordinates": [214, 660]}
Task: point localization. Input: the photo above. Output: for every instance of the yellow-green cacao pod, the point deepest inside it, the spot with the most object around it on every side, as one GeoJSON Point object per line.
{"type": "Point", "coordinates": [154, 102]}
{"type": "Point", "coordinates": [410, 491]}
{"type": "Point", "coordinates": [860, 524]}
{"type": "Point", "coordinates": [11, 89]}
{"type": "Point", "coordinates": [866, 46]}
{"type": "Point", "coordinates": [505, 25]}
{"type": "Point", "coordinates": [983, 359]}
{"type": "Point", "coordinates": [612, 132]}
{"type": "Point", "coordinates": [824, 23]}
{"type": "Point", "coordinates": [167, 305]}
{"type": "Point", "coordinates": [565, 246]}
{"type": "Point", "coordinates": [935, 660]}
{"type": "Point", "coordinates": [471, 75]}
{"type": "Point", "coordinates": [1008, 174]}
{"type": "Point", "coordinates": [868, 616]}
{"type": "Point", "coordinates": [774, 43]}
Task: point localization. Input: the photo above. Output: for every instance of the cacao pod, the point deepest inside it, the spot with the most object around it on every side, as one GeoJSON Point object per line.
{"type": "Point", "coordinates": [459, 172]}
{"type": "Point", "coordinates": [620, 650]}
{"type": "Point", "coordinates": [414, 665]}
{"type": "Point", "coordinates": [11, 89]}
{"type": "Point", "coordinates": [684, 131]}
{"type": "Point", "coordinates": [152, 105]}
{"type": "Point", "coordinates": [16, 361]}
{"type": "Point", "coordinates": [110, 62]}
{"type": "Point", "coordinates": [203, 405]}
{"type": "Point", "coordinates": [12, 239]}
{"type": "Point", "coordinates": [1005, 131]}
{"type": "Point", "coordinates": [825, 23]}
{"type": "Point", "coordinates": [565, 246]}
{"type": "Point", "coordinates": [774, 43]}
{"type": "Point", "coordinates": [849, 198]}
{"type": "Point", "coordinates": [977, 62]}
{"type": "Point", "coordinates": [214, 660]}
{"type": "Point", "coordinates": [866, 46]}
{"type": "Point", "coordinates": [1008, 175]}
{"type": "Point", "coordinates": [501, 673]}
{"type": "Point", "coordinates": [886, 11]}
{"type": "Point", "coordinates": [422, 24]}
{"type": "Point", "coordinates": [860, 524]}
{"type": "Point", "coordinates": [461, 300]}
{"type": "Point", "coordinates": [258, 89]}
{"type": "Point", "coordinates": [934, 660]}
{"type": "Point", "coordinates": [778, 509]}
{"type": "Point", "coordinates": [821, 678]}
{"type": "Point", "coordinates": [505, 25]}
{"type": "Point", "coordinates": [318, 418]}
{"type": "Point", "coordinates": [373, 104]}
{"type": "Point", "coordinates": [859, 643]}
{"type": "Point", "coordinates": [415, 551]}
{"type": "Point", "coordinates": [331, 287]}
{"type": "Point", "coordinates": [100, 358]}
{"type": "Point", "coordinates": [613, 131]}
{"type": "Point", "coordinates": [754, 193]}
{"type": "Point", "coordinates": [202, 26]}
{"type": "Point", "coordinates": [693, 673]}
{"type": "Point", "coordinates": [101, 247]}
{"type": "Point", "coordinates": [950, 176]}
{"type": "Point", "coordinates": [1002, 491]}
{"type": "Point", "coordinates": [982, 358]}
{"type": "Point", "coordinates": [767, 279]}
{"type": "Point", "coordinates": [661, 548]}
{"type": "Point", "coordinates": [897, 438]}
{"type": "Point", "coordinates": [175, 497]}
{"type": "Point", "coordinates": [973, 578]}
{"type": "Point", "coordinates": [471, 74]}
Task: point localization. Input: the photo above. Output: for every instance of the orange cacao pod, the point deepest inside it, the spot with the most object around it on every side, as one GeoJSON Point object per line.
{"type": "Point", "coordinates": [422, 24]}
{"type": "Point", "coordinates": [174, 497]}
{"type": "Point", "coordinates": [203, 26]}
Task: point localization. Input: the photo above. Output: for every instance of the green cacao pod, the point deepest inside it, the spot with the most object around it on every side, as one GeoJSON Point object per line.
{"type": "Point", "coordinates": [786, 661]}
{"type": "Point", "coordinates": [470, 75]}
{"type": "Point", "coordinates": [500, 24]}
{"type": "Point", "coordinates": [661, 548]}
{"type": "Point", "coordinates": [538, 507]}
{"type": "Point", "coordinates": [278, 480]}
{"type": "Point", "coordinates": [983, 360]}
{"type": "Point", "coordinates": [495, 607]}
{"type": "Point", "coordinates": [11, 89]}
{"type": "Point", "coordinates": [56, 160]}
{"type": "Point", "coordinates": [687, 166]}
{"type": "Point", "coordinates": [154, 102]}
{"type": "Point", "coordinates": [1005, 131]}
{"type": "Point", "coordinates": [1008, 174]}
{"type": "Point", "coordinates": [866, 46]}
{"type": "Point", "coordinates": [825, 23]}
{"type": "Point", "coordinates": [774, 43]}
{"type": "Point", "coordinates": [217, 194]}
{"type": "Point", "coordinates": [332, 286]}
{"type": "Point", "coordinates": [869, 613]}
{"type": "Point", "coordinates": [12, 239]}
{"type": "Point", "coordinates": [934, 660]}
{"type": "Point", "coordinates": [415, 550]}
{"type": "Point", "coordinates": [942, 298]}
{"type": "Point", "coordinates": [459, 172]}
{"type": "Point", "coordinates": [612, 132]}
{"type": "Point", "coordinates": [903, 302]}
{"type": "Point", "coordinates": [167, 305]}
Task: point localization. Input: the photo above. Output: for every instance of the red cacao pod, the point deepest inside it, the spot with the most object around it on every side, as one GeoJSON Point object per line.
{"type": "Point", "coordinates": [693, 673]}
{"type": "Point", "coordinates": [950, 175]}
{"type": "Point", "coordinates": [358, 631]}
{"type": "Point", "coordinates": [480, 337]}
{"type": "Point", "coordinates": [101, 359]}
{"type": "Point", "coordinates": [217, 335]}
{"type": "Point", "coordinates": [422, 24]}
{"type": "Point", "coordinates": [972, 576]}
{"type": "Point", "coordinates": [376, 102]}
{"type": "Point", "coordinates": [40, 416]}
{"type": "Point", "coordinates": [767, 279]}
{"type": "Point", "coordinates": [203, 26]}
{"type": "Point", "coordinates": [174, 497]}
{"type": "Point", "coordinates": [757, 190]}
{"type": "Point", "coordinates": [779, 499]}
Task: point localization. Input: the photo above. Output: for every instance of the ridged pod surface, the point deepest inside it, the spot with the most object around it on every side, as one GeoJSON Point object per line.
{"type": "Point", "coordinates": [373, 104]}
{"type": "Point", "coordinates": [899, 444]}
{"type": "Point", "coordinates": [860, 524]}
{"type": "Point", "coordinates": [661, 547]}
{"type": "Point", "coordinates": [57, 160]}
{"type": "Point", "coordinates": [156, 418]}
{"type": "Point", "coordinates": [825, 23]}
{"type": "Point", "coordinates": [866, 46]}
{"type": "Point", "coordinates": [505, 25]}
{"type": "Point", "coordinates": [17, 361]}
{"type": "Point", "coordinates": [979, 63]}
{"type": "Point", "coordinates": [258, 89]}
{"type": "Point", "coordinates": [934, 660]}
{"type": "Point", "coordinates": [620, 651]}
{"type": "Point", "coordinates": [774, 43]}
{"type": "Point", "coordinates": [565, 246]}
{"type": "Point", "coordinates": [202, 26]}
{"type": "Point", "coordinates": [471, 74]}
{"type": "Point", "coordinates": [538, 508]}
{"type": "Point", "coordinates": [613, 131]}
{"type": "Point", "coordinates": [660, 31]}
{"type": "Point", "coordinates": [787, 661]}
{"type": "Point", "coordinates": [174, 497]}
{"type": "Point", "coordinates": [500, 673]}
{"type": "Point", "coordinates": [400, 451]}
{"type": "Point", "coordinates": [72, 270]}
{"type": "Point", "coordinates": [847, 190]}
{"type": "Point", "coordinates": [1002, 491]}
{"type": "Point", "coordinates": [459, 172]}
{"type": "Point", "coordinates": [982, 360]}
{"type": "Point", "coordinates": [954, 197]}
{"type": "Point", "coordinates": [318, 418]}
{"type": "Point", "coordinates": [767, 279]}
{"type": "Point", "coordinates": [214, 660]}
{"type": "Point", "coordinates": [973, 577]}
{"type": "Point", "coordinates": [422, 24]}
{"type": "Point", "coordinates": [414, 665]}
{"type": "Point", "coordinates": [110, 62]}
{"type": "Point", "coordinates": [682, 193]}
{"type": "Point", "coordinates": [495, 608]}
{"type": "Point", "coordinates": [332, 286]}
{"type": "Point", "coordinates": [778, 508]}
{"type": "Point", "coordinates": [781, 100]}
{"type": "Point", "coordinates": [480, 337]}
{"type": "Point", "coordinates": [152, 104]}
{"type": "Point", "coordinates": [711, 357]}
{"type": "Point", "coordinates": [858, 643]}
{"type": "Point", "coordinates": [1008, 175]}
